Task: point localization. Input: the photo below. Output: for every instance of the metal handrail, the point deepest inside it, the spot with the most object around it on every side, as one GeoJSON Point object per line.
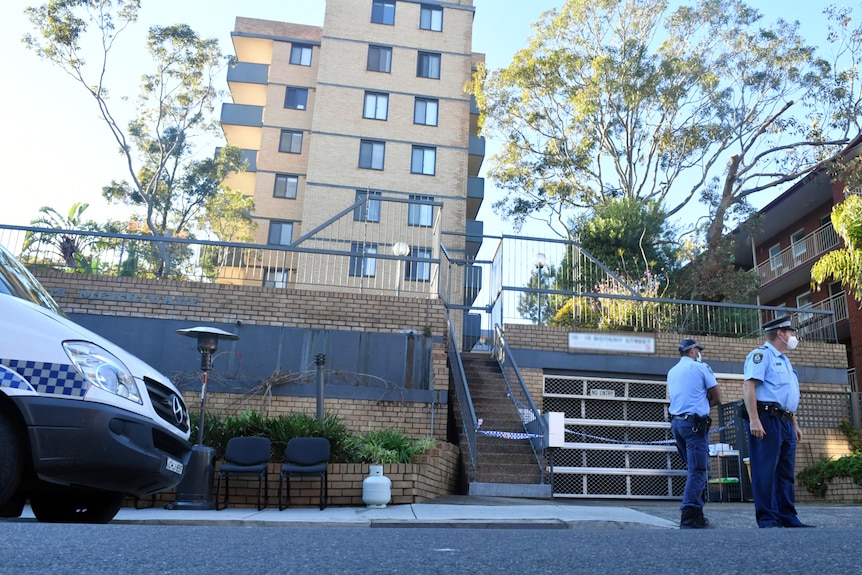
{"type": "Point", "coordinates": [534, 423]}
{"type": "Point", "coordinates": [469, 421]}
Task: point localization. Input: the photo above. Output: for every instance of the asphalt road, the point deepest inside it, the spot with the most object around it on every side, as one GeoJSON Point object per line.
{"type": "Point", "coordinates": [27, 547]}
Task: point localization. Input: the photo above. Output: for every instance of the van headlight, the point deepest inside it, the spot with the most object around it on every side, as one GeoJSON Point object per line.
{"type": "Point", "coordinates": [102, 369]}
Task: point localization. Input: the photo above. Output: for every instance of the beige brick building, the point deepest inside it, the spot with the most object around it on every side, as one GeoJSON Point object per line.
{"type": "Point", "coordinates": [373, 107]}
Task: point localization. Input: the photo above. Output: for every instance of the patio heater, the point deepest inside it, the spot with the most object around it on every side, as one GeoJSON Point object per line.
{"type": "Point", "coordinates": [195, 491]}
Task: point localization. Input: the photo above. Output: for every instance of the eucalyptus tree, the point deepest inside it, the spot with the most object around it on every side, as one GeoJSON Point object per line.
{"type": "Point", "coordinates": [174, 106]}
{"type": "Point", "coordinates": [633, 99]}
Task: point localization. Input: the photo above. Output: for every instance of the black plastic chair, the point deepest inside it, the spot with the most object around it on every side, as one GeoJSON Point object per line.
{"type": "Point", "coordinates": [245, 456]}
{"type": "Point", "coordinates": [305, 457]}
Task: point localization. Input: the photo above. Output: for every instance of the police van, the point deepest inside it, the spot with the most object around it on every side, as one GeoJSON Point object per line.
{"type": "Point", "coordinates": [83, 423]}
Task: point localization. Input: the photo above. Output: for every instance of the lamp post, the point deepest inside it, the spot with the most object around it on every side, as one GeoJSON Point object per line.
{"type": "Point", "coordinates": [539, 260]}
{"type": "Point", "coordinates": [400, 249]}
{"type": "Point", "coordinates": [195, 490]}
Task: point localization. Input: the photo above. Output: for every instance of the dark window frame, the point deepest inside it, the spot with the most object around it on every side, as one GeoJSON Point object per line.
{"type": "Point", "coordinates": [424, 102]}
{"type": "Point", "coordinates": [297, 53]}
{"type": "Point", "coordinates": [379, 59]}
{"type": "Point", "coordinates": [290, 149]}
{"type": "Point", "coordinates": [299, 101]}
{"type": "Point", "coordinates": [426, 15]}
{"type": "Point", "coordinates": [367, 149]}
{"type": "Point", "coordinates": [425, 65]}
{"type": "Point", "coordinates": [287, 178]}
{"type": "Point", "coordinates": [383, 10]}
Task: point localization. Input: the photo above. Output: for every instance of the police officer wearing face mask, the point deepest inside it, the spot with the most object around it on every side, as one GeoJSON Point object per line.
{"type": "Point", "coordinates": [692, 390]}
{"type": "Point", "coordinates": [771, 395]}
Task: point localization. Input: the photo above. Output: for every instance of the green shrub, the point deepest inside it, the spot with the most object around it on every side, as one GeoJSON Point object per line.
{"type": "Point", "coordinates": [384, 446]}
{"type": "Point", "coordinates": [816, 477]}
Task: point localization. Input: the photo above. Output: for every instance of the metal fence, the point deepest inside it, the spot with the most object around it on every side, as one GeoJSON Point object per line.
{"type": "Point", "coordinates": [526, 280]}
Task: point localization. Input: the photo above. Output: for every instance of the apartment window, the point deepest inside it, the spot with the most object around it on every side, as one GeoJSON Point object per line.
{"type": "Point", "coordinates": [361, 265]}
{"type": "Point", "coordinates": [383, 12]}
{"type": "Point", "coordinates": [300, 54]}
{"type": "Point", "coordinates": [371, 154]}
{"type": "Point", "coordinates": [369, 210]}
{"type": "Point", "coordinates": [425, 111]}
{"type": "Point", "coordinates": [420, 214]}
{"type": "Point", "coordinates": [804, 300]}
{"type": "Point", "coordinates": [418, 271]}
{"type": "Point", "coordinates": [280, 233]}
{"type": "Point", "coordinates": [431, 18]}
{"type": "Point", "coordinates": [296, 98]}
{"type": "Point", "coordinates": [424, 160]}
{"type": "Point", "coordinates": [290, 142]}
{"type": "Point", "coordinates": [275, 278]}
{"type": "Point", "coordinates": [286, 186]}
{"type": "Point", "coordinates": [376, 106]}
{"type": "Point", "coordinates": [380, 59]}
{"type": "Point", "coordinates": [428, 65]}
{"type": "Point", "coordinates": [797, 241]}
{"type": "Point", "coordinates": [775, 257]}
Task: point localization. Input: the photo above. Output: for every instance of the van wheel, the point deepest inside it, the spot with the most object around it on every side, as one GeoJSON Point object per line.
{"type": "Point", "coordinates": [63, 505]}
{"type": "Point", "coordinates": [11, 464]}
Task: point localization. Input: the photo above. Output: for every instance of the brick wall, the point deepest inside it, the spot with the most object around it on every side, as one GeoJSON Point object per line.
{"type": "Point", "coordinates": [430, 475]}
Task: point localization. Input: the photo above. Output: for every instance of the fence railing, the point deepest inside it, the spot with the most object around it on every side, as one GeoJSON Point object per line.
{"type": "Point", "coordinates": [534, 423]}
{"type": "Point", "coordinates": [469, 422]}
{"type": "Point", "coordinates": [813, 245]}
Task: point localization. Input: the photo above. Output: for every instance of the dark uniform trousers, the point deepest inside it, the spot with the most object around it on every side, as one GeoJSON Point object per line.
{"type": "Point", "coordinates": [771, 459]}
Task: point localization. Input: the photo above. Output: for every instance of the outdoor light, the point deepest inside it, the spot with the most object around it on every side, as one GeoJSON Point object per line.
{"type": "Point", "coordinates": [539, 260]}
{"type": "Point", "coordinates": [195, 489]}
{"type": "Point", "coordinates": [400, 249]}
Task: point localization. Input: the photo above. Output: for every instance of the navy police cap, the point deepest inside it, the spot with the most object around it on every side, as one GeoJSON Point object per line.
{"type": "Point", "coordinates": [687, 344]}
{"type": "Point", "coordinates": [779, 323]}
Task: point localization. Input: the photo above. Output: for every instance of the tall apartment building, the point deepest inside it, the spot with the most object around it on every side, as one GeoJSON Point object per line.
{"type": "Point", "coordinates": [793, 232]}
{"type": "Point", "coordinates": [361, 141]}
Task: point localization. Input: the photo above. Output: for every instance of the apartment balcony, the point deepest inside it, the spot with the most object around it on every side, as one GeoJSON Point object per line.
{"type": "Point", "coordinates": [475, 230]}
{"type": "Point", "coordinates": [812, 325]}
{"type": "Point", "coordinates": [792, 264]}
{"type": "Point", "coordinates": [477, 155]}
{"type": "Point", "coordinates": [248, 83]}
{"type": "Point", "coordinates": [242, 125]}
{"type": "Point", "coordinates": [475, 196]}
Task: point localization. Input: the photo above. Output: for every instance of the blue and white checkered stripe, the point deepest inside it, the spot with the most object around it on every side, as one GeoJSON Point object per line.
{"type": "Point", "coordinates": [47, 378]}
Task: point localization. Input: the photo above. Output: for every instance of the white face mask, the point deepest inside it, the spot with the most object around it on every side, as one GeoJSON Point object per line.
{"type": "Point", "coordinates": [698, 357]}
{"type": "Point", "coordinates": [792, 342]}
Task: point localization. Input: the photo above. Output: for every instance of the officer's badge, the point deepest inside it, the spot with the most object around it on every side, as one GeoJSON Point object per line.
{"type": "Point", "coordinates": [758, 357]}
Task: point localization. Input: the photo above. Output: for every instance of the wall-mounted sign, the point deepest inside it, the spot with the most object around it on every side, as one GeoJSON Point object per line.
{"type": "Point", "coordinates": [144, 298]}
{"type": "Point", "coordinates": [608, 341]}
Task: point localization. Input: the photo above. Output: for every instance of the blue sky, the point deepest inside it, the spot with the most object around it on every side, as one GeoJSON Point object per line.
{"type": "Point", "coordinates": [56, 150]}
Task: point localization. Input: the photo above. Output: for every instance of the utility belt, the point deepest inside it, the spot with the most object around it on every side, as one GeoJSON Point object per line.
{"type": "Point", "coordinates": [771, 408]}
{"type": "Point", "coordinates": [699, 423]}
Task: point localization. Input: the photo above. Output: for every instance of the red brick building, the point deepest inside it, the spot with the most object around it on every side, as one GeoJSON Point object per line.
{"type": "Point", "coordinates": [794, 231]}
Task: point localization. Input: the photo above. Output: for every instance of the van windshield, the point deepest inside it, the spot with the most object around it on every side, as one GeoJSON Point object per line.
{"type": "Point", "coordinates": [16, 280]}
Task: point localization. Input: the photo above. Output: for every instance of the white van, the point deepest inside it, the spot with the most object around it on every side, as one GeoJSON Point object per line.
{"type": "Point", "coordinates": [83, 423]}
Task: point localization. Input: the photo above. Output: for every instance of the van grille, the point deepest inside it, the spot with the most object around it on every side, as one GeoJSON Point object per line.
{"type": "Point", "coordinates": [163, 400]}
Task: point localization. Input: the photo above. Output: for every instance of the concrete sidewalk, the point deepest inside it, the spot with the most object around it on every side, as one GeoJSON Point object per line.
{"type": "Point", "coordinates": [487, 512]}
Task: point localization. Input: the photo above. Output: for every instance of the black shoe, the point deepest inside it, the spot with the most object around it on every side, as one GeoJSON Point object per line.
{"type": "Point", "coordinates": [692, 518]}
{"type": "Point", "coordinates": [772, 525]}
{"type": "Point", "coordinates": [797, 525]}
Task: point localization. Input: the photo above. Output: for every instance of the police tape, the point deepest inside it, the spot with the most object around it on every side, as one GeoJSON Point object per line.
{"type": "Point", "coordinates": [520, 436]}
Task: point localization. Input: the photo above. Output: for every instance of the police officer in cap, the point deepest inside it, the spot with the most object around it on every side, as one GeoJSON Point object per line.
{"type": "Point", "coordinates": [771, 395]}
{"type": "Point", "coordinates": [692, 390]}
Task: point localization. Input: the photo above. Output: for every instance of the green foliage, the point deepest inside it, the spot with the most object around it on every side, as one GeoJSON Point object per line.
{"type": "Point", "coordinates": [816, 477]}
{"type": "Point", "coordinates": [389, 446]}
{"type": "Point", "coordinates": [845, 264]}
{"type": "Point", "coordinates": [384, 446]}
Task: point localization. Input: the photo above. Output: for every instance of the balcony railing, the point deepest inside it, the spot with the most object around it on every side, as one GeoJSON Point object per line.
{"type": "Point", "coordinates": [799, 253]}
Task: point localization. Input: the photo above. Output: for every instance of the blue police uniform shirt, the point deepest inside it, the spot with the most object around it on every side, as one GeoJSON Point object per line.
{"type": "Point", "coordinates": [687, 384]}
{"type": "Point", "coordinates": [778, 381]}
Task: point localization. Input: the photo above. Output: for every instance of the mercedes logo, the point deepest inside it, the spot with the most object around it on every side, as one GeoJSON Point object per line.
{"type": "Point", "coordinates": [177, 408]}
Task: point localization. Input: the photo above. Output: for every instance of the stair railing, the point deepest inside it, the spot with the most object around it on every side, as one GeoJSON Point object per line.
{"type": "Point", "coordinates": [469, 422]}
{"type": "Point", "coordinates": [534, 423]}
